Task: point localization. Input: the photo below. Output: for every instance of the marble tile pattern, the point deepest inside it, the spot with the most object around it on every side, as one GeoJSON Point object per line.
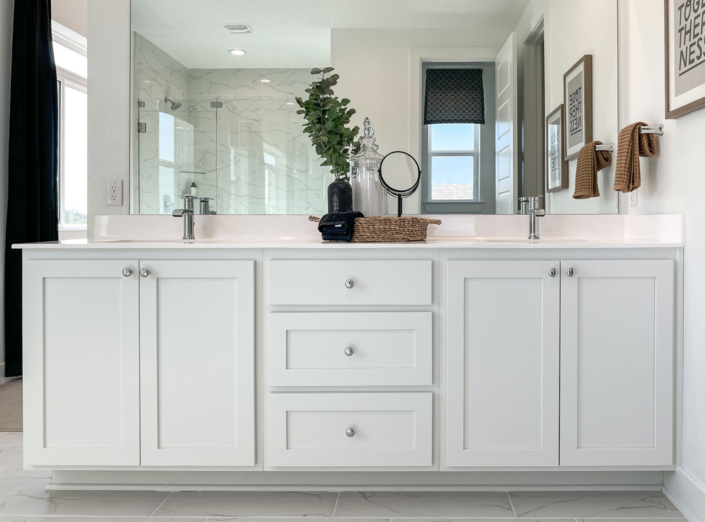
{"type": "Point", "coordinates": [23, 498]}
{"type": "Point", "coordinates": [250, 155]}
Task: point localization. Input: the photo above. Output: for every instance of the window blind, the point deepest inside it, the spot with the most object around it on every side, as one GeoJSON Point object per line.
{"type": "Point", "coordinates": [454, 96]}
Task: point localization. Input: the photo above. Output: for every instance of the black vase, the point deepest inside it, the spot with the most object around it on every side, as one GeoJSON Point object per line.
{"type": "Point", "coordinates": [340, 198]}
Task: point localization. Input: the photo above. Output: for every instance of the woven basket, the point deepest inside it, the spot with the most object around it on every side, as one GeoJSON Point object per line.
{"type": "Point", "coordinates": [389, 229]}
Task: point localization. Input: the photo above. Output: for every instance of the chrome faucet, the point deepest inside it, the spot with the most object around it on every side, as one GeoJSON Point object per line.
{"type": "Point", "coordinates": [187, 214]}
{"type": "Point", "coordinates": [535, 211]}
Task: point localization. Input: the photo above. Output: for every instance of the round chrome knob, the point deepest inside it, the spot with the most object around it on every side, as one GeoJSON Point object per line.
{"type": "Point", "coordinates": [144, 272]}
{"type": "Point", "coordinates": [570, 272]}
{"type": "Point", "coordinates": [127, 272]}
{"type": "Point", "coordinates": [349, 283]}
{"type": "Point", "coordinates": [553, 272]}
{"type": "Point", "coordinates": [349, 351]}
{"type": "Point", "coordinates": [350, 432]}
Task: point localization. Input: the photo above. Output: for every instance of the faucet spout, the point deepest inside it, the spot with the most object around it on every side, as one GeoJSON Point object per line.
{"type": "Point", "coordinates": [535, 211]}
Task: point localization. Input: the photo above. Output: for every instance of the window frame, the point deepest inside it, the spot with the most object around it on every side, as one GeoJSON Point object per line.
{"type": "Point", "coordinates": [474, 153]}
{"type": "Point", "coordinates": [67, 79]}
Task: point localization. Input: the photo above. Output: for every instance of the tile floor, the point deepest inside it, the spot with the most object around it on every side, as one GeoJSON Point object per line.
{"type": "Point", "coordinates": [23, 499]}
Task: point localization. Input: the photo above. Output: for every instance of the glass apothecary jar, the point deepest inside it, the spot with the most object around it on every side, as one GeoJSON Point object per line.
{"type": "Point", "coordinates": [369, 196]}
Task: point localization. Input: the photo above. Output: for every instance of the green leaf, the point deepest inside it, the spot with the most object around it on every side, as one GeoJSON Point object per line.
{"type": "Point", "coordinates": [316, 71]}
{"type": "Point", "coordinates": [328, 69]}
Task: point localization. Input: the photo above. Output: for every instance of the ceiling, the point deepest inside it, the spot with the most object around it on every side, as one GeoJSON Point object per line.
{"type": "Point", "coordinates": [297, 33]}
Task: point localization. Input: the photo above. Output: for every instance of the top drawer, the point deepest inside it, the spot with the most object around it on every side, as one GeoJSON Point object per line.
{"type": "Point", "coordinates": [349, 282]}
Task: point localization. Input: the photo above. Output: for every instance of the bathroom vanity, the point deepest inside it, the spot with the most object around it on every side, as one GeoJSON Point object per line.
{"type": "Point", "coordinates": [253, 359]}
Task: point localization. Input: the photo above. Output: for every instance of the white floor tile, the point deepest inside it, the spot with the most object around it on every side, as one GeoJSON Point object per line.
{"type": "Point", "coordinates": [420, 504]}
{"type": "Point", "coordinates": [249, 504]}
{"type": "Point", "coordinates": [593, 504]}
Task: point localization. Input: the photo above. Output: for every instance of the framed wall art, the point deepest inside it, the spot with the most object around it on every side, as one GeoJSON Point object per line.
{"type": "Point", "coordinates": [556, 165]}
{"type": "Point", "coordinates": [685, 57]}
{"type": "Point", "coordinates": [577, 98]}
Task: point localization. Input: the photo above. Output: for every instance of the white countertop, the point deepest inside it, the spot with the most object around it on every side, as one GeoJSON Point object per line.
{"type": "Point", "coordinates": [438, 243]}
{"type": "Point", "coordinates": [467, 231]}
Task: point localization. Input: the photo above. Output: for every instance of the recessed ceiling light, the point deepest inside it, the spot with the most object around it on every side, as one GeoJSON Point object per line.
{"type": "Point", "coordinates": [265, 80]}
{"type": "Point", "coordinates": [237, 52]}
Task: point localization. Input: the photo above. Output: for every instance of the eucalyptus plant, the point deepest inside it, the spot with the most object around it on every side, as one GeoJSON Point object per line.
{"type": "Point", "coordinates": [326, 119]}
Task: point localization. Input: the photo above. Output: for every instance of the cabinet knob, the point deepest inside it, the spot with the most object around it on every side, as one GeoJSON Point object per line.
{"type": "Point", "coordinates": [145, 272]}
{"type": "Point", "coordinates": [570, 272]}
{"type": "Point", "coordinates": [350, 432]}
{"type": "Point", "coordinates": [349, 351]}
{"type": "Point", "coordinates": [349, 283]}
{"type": "Point", "coordinates": [127, 272]}
{"type": "Point", "coordinates": [553, 272]}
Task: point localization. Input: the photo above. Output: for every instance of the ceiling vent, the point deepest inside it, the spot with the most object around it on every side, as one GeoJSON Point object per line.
{"type": "Point", "coordinates": [239, 28]}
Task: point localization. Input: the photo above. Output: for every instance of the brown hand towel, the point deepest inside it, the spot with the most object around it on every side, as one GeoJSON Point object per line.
{"type": "Point", "coordinates": [632, 144]}
{"type": "Point", "coordinates": [590, 161]}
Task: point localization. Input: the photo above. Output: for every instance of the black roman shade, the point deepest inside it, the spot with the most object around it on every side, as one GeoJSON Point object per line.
{"type": "Point", "coordinates": [454, 96]}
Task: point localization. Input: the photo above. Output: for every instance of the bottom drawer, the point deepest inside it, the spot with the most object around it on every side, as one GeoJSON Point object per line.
{"type": "Point", "coordinates": [350, 429]}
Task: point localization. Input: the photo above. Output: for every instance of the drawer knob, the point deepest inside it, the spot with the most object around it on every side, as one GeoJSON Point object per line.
{"type": "Point", "coordinates": [552, 272]}
{"type": "Point", "coordinates": [349, 351]}
{"type": "Point", "coordinates": [350, 432]}
{"type": "Point", "coordinates": [144, 272]}
{"type": "Point", "coordinates": [570, 272]}
{"type": "Point", "coordinates": [349, 283]}
{"type": "Point", "coordinates": [126, 272]}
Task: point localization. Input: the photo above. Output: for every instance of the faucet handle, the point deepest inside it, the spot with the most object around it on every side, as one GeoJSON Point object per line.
{"type": "Point", "coordinates": [179, 212]}
{"type": "Point", "coordinates": [535, 202]}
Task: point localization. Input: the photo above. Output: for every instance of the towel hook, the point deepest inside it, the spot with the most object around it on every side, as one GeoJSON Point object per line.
{"type": "Point", "coordinates": [607, 147]}
{"type": "Point", "coordinates": [654, 129]}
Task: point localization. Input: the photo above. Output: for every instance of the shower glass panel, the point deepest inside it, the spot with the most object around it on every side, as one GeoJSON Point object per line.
{"type": "Point", "coordinates": [249, 156]}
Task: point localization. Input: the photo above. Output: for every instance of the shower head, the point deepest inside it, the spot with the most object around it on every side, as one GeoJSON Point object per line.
{"type": "Point", "coordinates": [174, 104]}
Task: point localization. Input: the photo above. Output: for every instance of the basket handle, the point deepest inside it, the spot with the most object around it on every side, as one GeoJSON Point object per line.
{"type": "Point", "coordinates": [314, 219]}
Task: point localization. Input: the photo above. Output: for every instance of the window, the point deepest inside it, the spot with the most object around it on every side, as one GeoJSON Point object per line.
{"type": "Point", "coordinates": [70, 54]}
{"type": "Point", "coordinates": [453, 150]}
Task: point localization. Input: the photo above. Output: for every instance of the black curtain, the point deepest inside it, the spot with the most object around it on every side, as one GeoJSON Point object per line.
{"type": "Point", "coordinates": [454, 96]}
{"type": "Point", "coordinates": [32, 209]}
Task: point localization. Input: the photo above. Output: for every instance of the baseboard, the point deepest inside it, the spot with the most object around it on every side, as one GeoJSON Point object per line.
{"type": "Point", "coordinates": [687, 493]}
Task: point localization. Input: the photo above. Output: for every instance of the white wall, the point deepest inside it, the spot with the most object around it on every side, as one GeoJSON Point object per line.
{"type": "Point", "coordinates": [573, 29]}
{"type": "Point", "coordinates": [6, 10]}
{"type": "Point", "coordinates": [108, 104]}
{"type": "Point", "coordinates": [672, 182]}
{"type": "Point", "coordinates": [374, 66]}
{"type": "Point", "coordinates": [72, 14]}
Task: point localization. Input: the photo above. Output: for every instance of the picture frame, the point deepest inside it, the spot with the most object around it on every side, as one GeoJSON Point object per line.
{"type": "Point", "coordinates": [556, 164]}
{"type": "Point", "coordinates": [684, 71]}
{"type": "Point", "coordinates": [577, 98]}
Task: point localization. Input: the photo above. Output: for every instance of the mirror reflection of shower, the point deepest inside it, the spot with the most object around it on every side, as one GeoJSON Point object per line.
{"type": "Point", "coordinates": [174, 104]}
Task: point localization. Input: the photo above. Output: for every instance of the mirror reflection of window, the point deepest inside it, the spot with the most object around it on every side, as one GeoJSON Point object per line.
{"type": "Point", "coordinates": [454, 151]}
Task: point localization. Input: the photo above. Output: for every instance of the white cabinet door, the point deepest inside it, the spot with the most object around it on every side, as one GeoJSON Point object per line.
{"type": "Point", "coordinates": [502, 363]}
{"type": "Point", "coordinates": [617, 350]}
{"type": "Point", "coordinates": [81, 363]}
{"type": "Point", "coordinates": [350, 429]}
{"type": "Point", "coordinates": [197, 363]}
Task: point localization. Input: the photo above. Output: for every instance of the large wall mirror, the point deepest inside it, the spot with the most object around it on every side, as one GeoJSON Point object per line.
{"type": "Point", "coordinates": [215, 81]}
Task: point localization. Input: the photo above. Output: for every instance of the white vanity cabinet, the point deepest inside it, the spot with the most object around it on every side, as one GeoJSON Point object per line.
{"type": "Point", "coordinates": [81, 363]}
{"type": "Point", "coordinates": [617, 362]}
{"type": "Point", "coordinates": [197, 322]}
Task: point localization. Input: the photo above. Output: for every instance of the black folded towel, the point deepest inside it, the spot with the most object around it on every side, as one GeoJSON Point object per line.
{"type": "Point", "coordinates": [339, 226]}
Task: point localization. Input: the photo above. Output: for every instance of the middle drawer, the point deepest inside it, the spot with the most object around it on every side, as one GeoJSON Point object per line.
{"type": "Point", "coordinates": [350, 349]}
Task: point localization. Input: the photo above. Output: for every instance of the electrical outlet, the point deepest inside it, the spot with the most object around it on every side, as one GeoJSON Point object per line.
{"type": "Point", "coordinates": [634, 198]}
{"type": "Point", "coordinates": [115, 193]}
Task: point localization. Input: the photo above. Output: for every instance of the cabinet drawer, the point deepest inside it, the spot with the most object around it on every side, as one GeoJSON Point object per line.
{"type": "Point", "coordinates": [349, 282]}
{"type": "Point", "coordinates": [350, 429]}
{"type": "Point", "coordinates": [350, 349]}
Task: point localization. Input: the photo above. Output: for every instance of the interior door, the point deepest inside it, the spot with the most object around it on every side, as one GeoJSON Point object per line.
{"type": "Point", "coordinates": [81, 361]}
{"type": "Point", "coordinates": [502, 382]}
{"type": "Point", "coordinates": [617, 351]}
{"type": "Point", "coordinates": [197, 363]}
{"type": "Point", "coordinates": [506, 129]}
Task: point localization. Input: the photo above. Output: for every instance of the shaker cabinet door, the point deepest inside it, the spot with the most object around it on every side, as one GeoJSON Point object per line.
{"type": "Point", "coordinates": [617, 351]}
{"type": "Point", "coordinates": [81, 363]}
{"type": "Point", "coordinates": [197, 363]}
{"type": "Point", "coordinates": [502, 363]}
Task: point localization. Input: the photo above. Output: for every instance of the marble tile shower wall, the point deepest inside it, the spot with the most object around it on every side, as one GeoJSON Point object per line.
{"type": "Point", "coordinates": [250, 155]}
